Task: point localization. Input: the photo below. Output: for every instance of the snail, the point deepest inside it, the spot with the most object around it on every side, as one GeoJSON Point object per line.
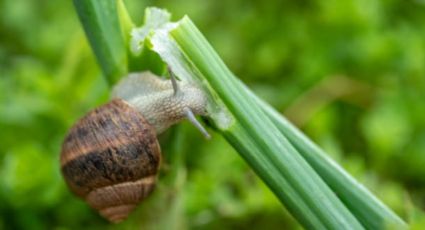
{"type": "Point", "coordinates": [111, 156]}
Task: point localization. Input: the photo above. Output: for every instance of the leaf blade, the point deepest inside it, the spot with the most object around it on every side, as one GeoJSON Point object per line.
{"type": "Point", "coordinates": [101, 24]}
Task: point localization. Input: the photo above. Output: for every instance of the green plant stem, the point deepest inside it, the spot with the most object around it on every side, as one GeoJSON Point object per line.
{"type": "Point", "coordinates": [251, 153]}
{"type": "Point", "coordinates": [125, 21]}
{"type": "Point", "coordinates": [372, 213]}
{"type": "Point", "coordinates": [101, 24]}
{"type": "Point", "coordinates": [273, 151]}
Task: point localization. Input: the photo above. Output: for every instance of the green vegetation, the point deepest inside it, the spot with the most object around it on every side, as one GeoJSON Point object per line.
{"type": "Point", "coordinates": [351, 75]}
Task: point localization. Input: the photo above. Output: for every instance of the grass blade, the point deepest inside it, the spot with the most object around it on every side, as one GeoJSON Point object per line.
{"type": "Point", "coordinates": [372, 213]}
{"type": "Point", "coordinates": [277, 154]}
{"type": "Point", "coordinates": [102, 26]}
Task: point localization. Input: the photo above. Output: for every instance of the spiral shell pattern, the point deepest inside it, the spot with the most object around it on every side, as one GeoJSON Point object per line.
{"type": "Point", "coordinates": [111, 158]}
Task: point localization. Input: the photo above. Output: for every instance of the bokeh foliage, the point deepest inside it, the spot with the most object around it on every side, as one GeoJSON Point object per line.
{"type": "Point", "coordinates": [351, 74]}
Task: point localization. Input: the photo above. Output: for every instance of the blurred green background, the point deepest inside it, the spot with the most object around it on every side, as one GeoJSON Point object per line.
{"type": "Point", "coordinates": [351, 74]}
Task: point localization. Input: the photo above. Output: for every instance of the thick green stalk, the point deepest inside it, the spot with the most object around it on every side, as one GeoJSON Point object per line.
{"type": "Point", "coordinates": [372, 213]}
{"type": "Point", "coordinates": [251, 152]}
{"type": "Point", "coordinates": [102, 26]}
{"type": "Point", "coordinates": [274, 150]}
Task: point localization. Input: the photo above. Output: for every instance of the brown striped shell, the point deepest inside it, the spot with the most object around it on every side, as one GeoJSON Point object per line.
{"type": "Point", "coordinates": [110, 158]}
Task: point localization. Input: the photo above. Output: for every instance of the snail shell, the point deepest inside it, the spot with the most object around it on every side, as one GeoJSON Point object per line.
{"type": "Point", "coordinates": [110, 158]}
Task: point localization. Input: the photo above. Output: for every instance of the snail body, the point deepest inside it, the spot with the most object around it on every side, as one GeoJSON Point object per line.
{"type": "Point", "coordinates": [111, 156]}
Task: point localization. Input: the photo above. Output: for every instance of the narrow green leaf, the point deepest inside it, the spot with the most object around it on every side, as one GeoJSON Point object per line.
{"type": "Point", "coordinates": [271, 145]}
{"type": "Point", "coordinates": [101, 23]}
{"type": "Point", "coordinates": [126, 23]}
{"type": "Point", "coordinates": [259, 162]}
{"type": "Point", "coordinates": [372, 213]}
